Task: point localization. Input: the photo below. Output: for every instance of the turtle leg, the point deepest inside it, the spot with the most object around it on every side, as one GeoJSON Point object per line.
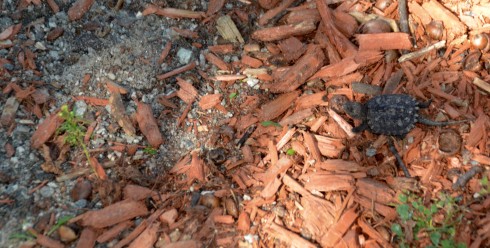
{"type": "Point", "coordinates": [426, 121]}
{"type": "Point", "coordinates": [393, 150]}
{"type": "Point", "coordinates": [424, 104]}
{"type": "Point", "coordinates": [361, 127]}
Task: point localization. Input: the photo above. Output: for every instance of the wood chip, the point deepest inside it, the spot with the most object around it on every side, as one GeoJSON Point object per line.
{"type": "Point", "coordinates": [283, 31]}
{"type": "Point", "coordinates": [148, 125]}
{"type": "Point", "coordinates": [274, 108]}
{"type": "Point", "coordinates": [113, 214]}
{"type": "Point", "coordinates": [45, 130]}
{"type": "Point", "coordinates": [118, 111]}
{"type": "Point", "coordinates": [228, 30]}
{"type": "Point", "coordinates": [384, 41]}
{"type": "Point", "coordinates": [79, 8]}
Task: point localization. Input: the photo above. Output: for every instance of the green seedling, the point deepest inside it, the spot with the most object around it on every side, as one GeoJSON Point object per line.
{"type": "Point", "coordinates": [233, 95]}
{"type": "Point", "coordinates": [485, 186]}
{"type": "Point", "coordinates": [150, 150]}
{"type": "Point", "coordinates": [22, 236]}
{"type": "Point", "coordinates": [63, 220]}
{"type": "Point", "coordinates": [270, 123]}
{"type": "Point", "coordinates": [74, 129]}
{"type": "Point", "coordinates": [290, 152]}
{"type": "Point", "coordinates": [419, 220]}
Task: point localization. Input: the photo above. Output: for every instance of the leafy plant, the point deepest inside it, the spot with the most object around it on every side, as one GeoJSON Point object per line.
{"type": "Point", "coordinates": [290, 152]}
{"type": "Point", "coordinates": [63, 220]}
{"type": "Point", "coordinates": [150, 150]}
{"type": "Point", "coordinates": [233, 95]}
{"type": "Point", "coordinates": [73, 128]}
{"type": "Point", "coordinates": [485, 190]}
{"type": "Point", "coordinates": [270, 123]}
{"type": "Point", "coordinates": [432, 226]}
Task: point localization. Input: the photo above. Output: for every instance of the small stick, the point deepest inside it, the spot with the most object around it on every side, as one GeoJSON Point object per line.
{"type": "Point", "coordinates": [393, 150]}
{"type": "Point", "coordinates": [403, 12]}
{"type": "Point", "coordinates": [465, 178]}
{"type": "Point", "coordinates": [179, 70]}
{"type": "Point", "coordinates": [422, 51]}
{"type": "Point", "coordinates": [245, 136]}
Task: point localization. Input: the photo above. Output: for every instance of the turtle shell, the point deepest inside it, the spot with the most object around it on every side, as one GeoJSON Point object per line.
{"type": "Point", "coordinates": [394, 114]}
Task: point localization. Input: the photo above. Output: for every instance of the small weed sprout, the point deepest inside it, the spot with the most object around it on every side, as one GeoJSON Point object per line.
{"type": "Point", "coordinates": [74, 129]}
{"type": "Point", "coordinates": [423, 224]}
{"type": "Point", "coordinates": [150, 150]}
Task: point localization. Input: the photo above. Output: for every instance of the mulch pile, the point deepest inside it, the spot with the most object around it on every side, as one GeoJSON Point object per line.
{"type": "Point", "coordinates": [281, 165]}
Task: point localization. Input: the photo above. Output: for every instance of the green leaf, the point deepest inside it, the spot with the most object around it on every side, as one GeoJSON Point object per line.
{"type": "Point", "coordinates": [233, 95]}
{"type": "Point", "coordinates": [435, 237]}
{"type": "Point", "coordinates": [63, 220]}
{"type": "Point", "coordinates": [290, 152]}
{"type": "Point", "coordinates": [397, 229]}
{"type": "Point", "coordinates": [270, 123]}
{"type": "Point", "coordinates": [150, 150]}
{"type": "Point", "coordinates": [403, 198]}
{"type": "Point", "coordinates": [404, 211]}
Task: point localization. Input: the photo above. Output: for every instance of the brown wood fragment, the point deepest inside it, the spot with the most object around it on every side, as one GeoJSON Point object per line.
{"type": "Point", "coordinates": [221, 49]}
{"type": "Point", "coordinates": [169, 216]}
{"type": "Point", "coordinates": [147, 238]}
{"type": "Point", "coordinates": [187, 92]}
{"type": "Point", "coordinates": [227, 29]}
{"type": "Point", "coordinates": [264, 19]}
{"type": "Point", "coordinates": [209, 101]}
{"type": "Point", "coordinates": [113, 214]}
{"type": "Point", "coordinates": [184, 244]}
{"type": "Point", "coordinates": [327, 182]}
{"type": "Point", "coordinates": [114, 231]}
{"type": "Point", "coordinates": [218, 62]}
{"type": "Point", "coordinates": [148, 125]}
{"type": "Point", "coordinates": [9, 111]}
{"type": "Point", "coordinates": [118, 111]}
{"type": "Point", "coordinates": [114, 87]}
{"type": "Point", "coordinates": [243, 222]}
{"type": "Point", "coordinates": [275, 108]}
{"type": "Point", "coordinates": [139, 229]}
{"type": "Point", "coordinates": [344, 46]}
{"type": "Point", "coordinates": [290, 238]}
{"type": "Point", "coordinates": [165, 52]}
{"type": "Point", "coordinates": [384, 41]}
{"type": "Point", "coordinates": [369, 230]}
{"type": "Point", "coordinates": [375, 190]}
{"type": "Point", "coordinates": [55, 33]}
{"type": "Point", "coordinates": [186, 33]}
{"type": "Point", "coordinates": [482, 84]}
{"type": "Point", "coordinates": [79, 8]}
{"type": "Point", "coordinates": [420, 12]}
{"type": "Point", "coordinates": [312, 144]}
{"type": "Point", "coordinates": [172, 12]}
{"type": "Point", "coordinates": [54, 7]}
{"type": "Point", "coordinates": [342, 123]}
{"type": "Point", "coordinates": [297, 117]}
{"type": "Point", "coordinates": [87, 238]}
{"type": "Point", "coordinates": [45, 130]}
{"type": "Point", "coordinates": [299, 73]}
{"type": "Point", "coordinates": [179, 70]}
{"type": "Point", "coordinates": [283, 31]}
{"type": "Point", "coordinates": [224, 219]}
{"type": "Point", "coordinates": [339, 229]}
{"type": "Point", "coordinates": [270, 177]}
{"type": "Point", "coordinates": [214, 6]}
{"type": "Point", "coordinates": [48, 242]}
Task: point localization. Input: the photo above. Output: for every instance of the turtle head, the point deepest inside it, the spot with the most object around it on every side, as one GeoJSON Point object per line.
{"type": "Point", "coordinates": [355, 110]}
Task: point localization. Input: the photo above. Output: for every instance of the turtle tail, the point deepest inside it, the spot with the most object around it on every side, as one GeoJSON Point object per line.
{"type": "Point", "coordinates": [437, 123]}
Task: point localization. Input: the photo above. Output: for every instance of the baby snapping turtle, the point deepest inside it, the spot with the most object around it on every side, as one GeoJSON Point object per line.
{"type": "Point", "coordinates": [392, 114]}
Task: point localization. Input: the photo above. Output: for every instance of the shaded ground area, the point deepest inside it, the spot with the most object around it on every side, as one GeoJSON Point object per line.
{"type": "Point", "coordinates": [222, 123]}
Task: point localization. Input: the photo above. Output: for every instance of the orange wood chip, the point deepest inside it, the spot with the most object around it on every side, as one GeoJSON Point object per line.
{"type": "Point", "coordinates": [290, 238]}
{"type": "Point", "coordinates": [209, 101]}
{"type": "Point", "coordinates": [224, 219]}
{"type": "Point", "coordinates": [45, 130]}
{"type": "Point", "coordinates": [92, 100]}
{"type": "Point", "coordinates": [299, 73]}
{"type": "Point", "coordinates": [136, 192]}
{"type": "Point", "coordinates": [113, 214]}
{"type": "Point", "coordinates": [187, 92]}
{"type": "Point", "coordinates": [87, 238]}
{"type": "Point", "coordinates": [221, 49]}
{"type": "Point", "coordinates": [327, 182]}
{"type": "Point", "coordinates": [147, 238]}
{"type": "Point", "coordinates": [218, 62]}
{"type": "Point", "coordinates": [384, 41]}
{"type": "Point", "coordinates": [284, 31]}
{"type": "Point", "coordinates": [369, 230]}
{"type": "Point", "coordinates": [148, 124]}
{"type": "Point", "coordinates": [169, 216]}
{"type": "Point", "coordinates": [172, 12]}
{"type": "Point", "coordinates": [375, 190]}
{"type": "Point", "coordinates": [114, 231]}
{"type": "Point", "coordinates": [118, 111]}
{"type": "Point", "coordinates": [338, 230]}
{"type": "Point", "coordinates": [275, 108]}
{"type": "Point", "coordinates": [243, 223]}
{"type": "Point", "coordinates": [79, 8]}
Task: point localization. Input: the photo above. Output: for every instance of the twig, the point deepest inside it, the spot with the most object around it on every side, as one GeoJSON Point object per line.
{"type": "Point", "coordinates": [422, 51]}
{"type": "Point", "coordinates": [393, 150]}
{"type": "Point", "coordinates": [465, 178]}
{"type": "Point", "coordinates": [403, 13]}
{"type": "Point", "coordinates": [179, 70]}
